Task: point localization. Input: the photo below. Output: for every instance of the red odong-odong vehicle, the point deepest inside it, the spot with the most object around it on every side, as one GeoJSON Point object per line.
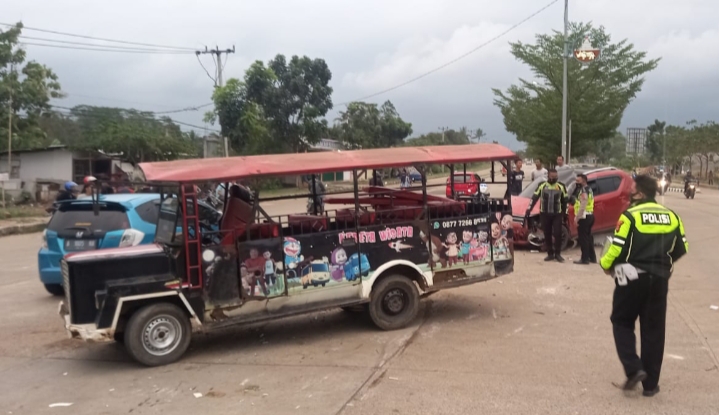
{"type": "Point", "coordinates": [386, 250]}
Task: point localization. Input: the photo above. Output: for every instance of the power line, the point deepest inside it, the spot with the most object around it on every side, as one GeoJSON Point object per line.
{"type": "Point", "coordinates": [94, 45]}
{"type": "Point", "coordinates": [417, 78]}
{"type": "Point", "coordinates": [203, 67]}
{"type": "Point", "coordinates": [142, 51]}
{"type": "Point", "coordinates": [186, 109]}
{"type": "Point", "coordinates": [100, 38]}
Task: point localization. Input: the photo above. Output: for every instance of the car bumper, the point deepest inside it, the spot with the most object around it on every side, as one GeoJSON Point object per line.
{"type": "Point", "coordinates": [86, 332]}
{"type": "Point", "coordinates": [48, 263]}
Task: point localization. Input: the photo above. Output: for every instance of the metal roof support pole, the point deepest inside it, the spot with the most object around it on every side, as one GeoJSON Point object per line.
{"type": "Point", "coordinates": [451, 179]}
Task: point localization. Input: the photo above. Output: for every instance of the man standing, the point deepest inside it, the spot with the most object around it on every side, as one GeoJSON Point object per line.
{"type": "Point", "coordinates": [648, 240]}
{"type": "Point", "coordinates": [560, 163]}
{"type": "Point", "coordinates": [552, 212]}
{"type": "Point", "coordinates": [539, 171]}
{"type": "Point", "coordinates": [584, 218]}
{"type": "Point", "coordinates": [517, 178]}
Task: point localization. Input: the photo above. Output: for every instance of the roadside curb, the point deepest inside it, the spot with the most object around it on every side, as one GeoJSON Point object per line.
{"type": "Point", "coordinates": [22, 228]}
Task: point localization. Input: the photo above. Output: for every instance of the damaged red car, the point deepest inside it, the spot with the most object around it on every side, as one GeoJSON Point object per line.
{"type": "Point", "coordinates": [611, 188]}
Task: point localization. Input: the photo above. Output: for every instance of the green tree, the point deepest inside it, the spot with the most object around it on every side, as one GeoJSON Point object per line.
{"type": "Point", "coordinates": [293, 96]}
{"type": "Point", "coordinates": [364, 125]}
{"type": "Point", "coordinates": [138, 136]}
{"type": "Point", "coordinates": [611, 150]}
{"type": "Point", "coordinates": [29, 86]}
{"type": "Point", "coordinates": [655, 141]}
{"type": "Point", "coordinates": [242, 121]}
{"type": "Point", "coordinates": [597, 94]}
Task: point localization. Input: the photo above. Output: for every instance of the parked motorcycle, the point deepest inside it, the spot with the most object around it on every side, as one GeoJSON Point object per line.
{"type": "Point", "coordinates": [311, 206]}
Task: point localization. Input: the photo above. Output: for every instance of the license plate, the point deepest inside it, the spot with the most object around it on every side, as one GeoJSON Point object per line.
{"type": "Point", "coordinates": [80, 244]}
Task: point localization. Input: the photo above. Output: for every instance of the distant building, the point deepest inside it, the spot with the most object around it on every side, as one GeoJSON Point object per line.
{"type": "Point", "coordinates": [41, 171]}
{"type": "Point", "coordinates": [636, 141]}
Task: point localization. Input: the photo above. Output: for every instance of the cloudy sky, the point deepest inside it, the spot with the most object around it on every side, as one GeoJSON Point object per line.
{"type": "Point", "coordinates": [370, 45]}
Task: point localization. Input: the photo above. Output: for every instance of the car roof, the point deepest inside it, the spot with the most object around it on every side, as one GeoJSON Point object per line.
{"type": "Point", "coordinates": [130, 200]}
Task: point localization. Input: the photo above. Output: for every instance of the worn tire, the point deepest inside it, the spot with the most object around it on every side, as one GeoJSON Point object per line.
{"type": "Point", "coordinates": [55, 289]}
{"type": "Point", "coordinates": [144, 338]}
{"type": "Point", "coordinates": [565, 238]}
{"type": "Point", "coordinates": [394, 302]}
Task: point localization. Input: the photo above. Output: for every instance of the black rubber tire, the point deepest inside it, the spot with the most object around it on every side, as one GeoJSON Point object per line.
{"type": "Point", "coordinates": [134, 333]}
{"type": "Point", "coordinates": [378, 310]}
{"type": "Point", "coordinates": [565, 237]}
{"type": "Point", "coordinates": [119, 337]}
{"type": "Point", "coordinates": [55, 289]}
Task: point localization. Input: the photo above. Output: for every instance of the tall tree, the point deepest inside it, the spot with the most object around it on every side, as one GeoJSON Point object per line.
{"type": "Point", "coordinates": [597, 94]}
{"type": "Point", "coordinates": [242, 121]}
{"type": "Point", "coordinates": [138, 136]}
{"type": "Point", "coordinates": [655, 141]}
{"type": "Point", "coordinates": [29, 86]}
{"type": "Point", "coordinates": [364, 125]}
{"type": "Point", "coordinates": [294, 96]}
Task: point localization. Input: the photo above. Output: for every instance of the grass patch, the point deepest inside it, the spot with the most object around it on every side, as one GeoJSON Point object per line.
{"type": "Point", "coordinates": [14, 212]}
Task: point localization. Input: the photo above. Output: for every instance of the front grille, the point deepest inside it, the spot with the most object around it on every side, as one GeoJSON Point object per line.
{"type": "Point", "coordinates": [66, 284]}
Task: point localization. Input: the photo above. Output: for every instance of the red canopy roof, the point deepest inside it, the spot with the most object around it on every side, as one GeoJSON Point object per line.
{"type": "Point", "coordinates": [234, 168]}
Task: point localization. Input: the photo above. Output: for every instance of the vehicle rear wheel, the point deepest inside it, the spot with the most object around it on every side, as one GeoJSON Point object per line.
{"type": "Point", "coordinates": [394, 302]}
{"type": "Point", "coordinates": [158, 334]}
{"type": "Point", "coordinates": [55, 289]}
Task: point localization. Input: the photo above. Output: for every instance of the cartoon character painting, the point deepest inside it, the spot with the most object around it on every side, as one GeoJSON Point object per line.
{"type": "Point", "coordinates": [466, 245]}
{"type": "Point", "coordinates": [508, 232]}
{"type": "Point", "coordinates": [499, 242]}
{"type": "Point", "coordinates": [452, 246]}
{"type": "Point", "coordinates": [437, 251]}
{"type": "Point", "coordinates": [292, 249]}
{"type": "Point", "coordinates": [338, 261]}
{"type": "Point", "coordinates": [480, 247]}
{"type": "Point", "coordinates": [357, 266]}
{"type": "Point", "coordinates": [270, 277]}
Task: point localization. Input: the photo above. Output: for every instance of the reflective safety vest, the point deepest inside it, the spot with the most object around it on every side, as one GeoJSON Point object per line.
{"type": "Point", "coordinates": [648, 236]}
{"type": "Point", "coordinates": [590, 201]}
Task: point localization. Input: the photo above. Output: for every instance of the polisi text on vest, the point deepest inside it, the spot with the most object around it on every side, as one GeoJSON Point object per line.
{"type": "Point", "coordinates": [656, 218]}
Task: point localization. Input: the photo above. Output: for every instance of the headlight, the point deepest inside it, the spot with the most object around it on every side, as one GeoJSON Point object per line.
{"type": "Point", "coordinates": [44, 238]}
{"type": "Point", "coordinates": [663, 183]}
{"type": "Point", "coordinates": [131, 237]}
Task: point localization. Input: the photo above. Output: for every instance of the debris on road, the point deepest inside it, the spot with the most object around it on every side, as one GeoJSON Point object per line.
{"type": "Point", "coordinates": [197, 395]}
{"type": "Point", "coordinates": [60, 404]}
{"type": "Point", "coordinates": [714, 307]}
{"type": "Point", "coordinates": [391, 378]}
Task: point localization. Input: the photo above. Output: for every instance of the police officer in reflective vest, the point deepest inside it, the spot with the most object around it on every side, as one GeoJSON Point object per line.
{"type": "Point", "coordinates": [584, 218]}
{"type": "Point", "coordinates": [552, 212]}
{"type": "Point", "coordinates": [648, 240]}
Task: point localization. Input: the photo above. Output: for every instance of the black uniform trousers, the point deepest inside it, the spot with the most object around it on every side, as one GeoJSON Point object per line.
{"type": "Point", "coordinates": [586, 240]}
{"type": "Point", "coordinates": [552, 227]}
{"type": "Point", "coordinates": [645, 298]}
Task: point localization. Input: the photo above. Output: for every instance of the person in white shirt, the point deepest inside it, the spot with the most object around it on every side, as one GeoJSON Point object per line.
{"type": "Point", "coordinates": [540, 171]}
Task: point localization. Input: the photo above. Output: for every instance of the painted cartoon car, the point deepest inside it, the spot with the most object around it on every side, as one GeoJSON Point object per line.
{"type": "Point", "coordinates": [353, 266]}
{"type": "Point", "coordinates": [314, 274]}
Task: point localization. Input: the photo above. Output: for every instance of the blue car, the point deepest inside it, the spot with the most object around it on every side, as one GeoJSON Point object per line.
{"type": "Point", "coordinates": [353, 265]}
{"type": "Point", "coordinates": [123, 220]}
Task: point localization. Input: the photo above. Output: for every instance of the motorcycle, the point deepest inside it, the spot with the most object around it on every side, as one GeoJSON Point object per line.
{"type": "Point", "coordinates": [690, 189]}
{"type": "Point", "coordinates": [311, 206]}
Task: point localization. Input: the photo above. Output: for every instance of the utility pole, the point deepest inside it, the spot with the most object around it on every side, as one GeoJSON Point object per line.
{"type": "Point", "coordinates": [443, 129]}
{"type": "Point", "coordinates": [9, 131]}
{"type": "Point", "coordinates": [564, 81]}
{"type": "Point", "coordinates": [218, 75]}
{"type": "Point", "coordinates": [569, 144]}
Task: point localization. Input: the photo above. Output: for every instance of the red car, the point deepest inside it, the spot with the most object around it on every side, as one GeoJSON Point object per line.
{"type": "Point", "coordinates": [611, 189]}
{"type": "Point", "coordinates": [464, 184]}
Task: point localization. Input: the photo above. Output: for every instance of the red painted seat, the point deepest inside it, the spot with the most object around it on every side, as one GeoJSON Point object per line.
{"type": "Point", "coordinates": [307, 223]}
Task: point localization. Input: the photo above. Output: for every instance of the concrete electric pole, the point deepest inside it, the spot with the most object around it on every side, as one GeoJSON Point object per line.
{"type": "Point", "coordinates": [218, 76]}
{"type": "Point", "coordinates": [564, 81]}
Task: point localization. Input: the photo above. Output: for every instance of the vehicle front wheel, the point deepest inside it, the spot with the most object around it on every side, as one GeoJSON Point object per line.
{"type": "Point", "coordinates": [55, 289]}
{"type": "Point", "coordinates": [158, 334]}
{"type": "Point", "coordinates": [394, 302]}
{"type": "Point", "coordinates": [565, 237]}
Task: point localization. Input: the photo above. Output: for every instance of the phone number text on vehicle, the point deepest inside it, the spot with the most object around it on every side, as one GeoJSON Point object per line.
{"type": "Point", "coordinates": [460, 223]}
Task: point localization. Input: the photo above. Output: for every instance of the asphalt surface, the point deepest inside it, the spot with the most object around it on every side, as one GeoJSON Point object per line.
{"type": "Point", "coordinates": [538, 341]}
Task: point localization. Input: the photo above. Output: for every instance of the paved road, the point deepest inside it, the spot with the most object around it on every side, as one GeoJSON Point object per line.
{"type": "Point", "coordinates": [535, 342]}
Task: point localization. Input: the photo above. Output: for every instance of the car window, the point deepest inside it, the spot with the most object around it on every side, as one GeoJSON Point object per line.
{"type": "Point", "coordinates": [149, 211]}
{"type": "Point", "coordinates": [593, 185]}
{"type": "Point", "coordinates": [461, 178]}
{"type": "Point", "coordinates": [71, 216]}
{"type": "Point", "coordinates": [608, 184]}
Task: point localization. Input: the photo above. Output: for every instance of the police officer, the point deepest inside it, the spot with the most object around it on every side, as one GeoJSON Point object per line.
{"type": "Point", "coordinates": [552, 213]}
{"type": "Point", "coordinates": [584, 218]}
{"type": "Point", "coordinates": [648, 240]}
